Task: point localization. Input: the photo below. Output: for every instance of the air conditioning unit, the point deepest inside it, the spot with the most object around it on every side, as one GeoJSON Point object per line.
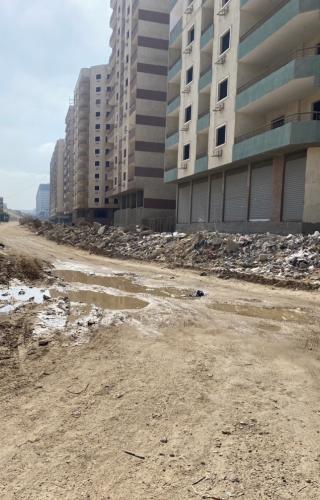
{"type": "Point", "coordinates": [185, 127]}
{"type": "Point", "coordinates": [221, 60]}
{"type": "Point", "coordinates": [219, 107]}
{"type": "Point", "coordinates": [224, 11]}
{"type": "Point", "coordinates": [188, 49]}
{"type": "Point", "coordinates": [189, 9]}
{"type": "Point", "coordinates": [186, 90]}
{"type": "Point", "coordinates": [184, 165]}
{"type": "Point", "coordinates": [217, 153]}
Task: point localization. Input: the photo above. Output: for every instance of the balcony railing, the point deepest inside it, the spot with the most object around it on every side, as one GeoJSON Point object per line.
{"type": "Point", "coordinates": [263, 20]}
{"type": "Point", "coordinates": [297, 54]}
{"type": "Point", "coordinates": [295, 118]}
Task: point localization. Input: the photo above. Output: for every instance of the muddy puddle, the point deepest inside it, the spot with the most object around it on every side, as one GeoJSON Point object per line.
{"type": "Point", "coordinates": [18, 295]}
{"type": "Point", "coordinates": [268, 313]}
{"type": "Point", "coordinates": [118, 282]}
{"type": "Point", "coordinates": [103, 300]}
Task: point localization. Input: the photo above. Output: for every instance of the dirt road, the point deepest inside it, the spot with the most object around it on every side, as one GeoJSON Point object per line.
{"type": "Point", "coordinates": [216, 397]}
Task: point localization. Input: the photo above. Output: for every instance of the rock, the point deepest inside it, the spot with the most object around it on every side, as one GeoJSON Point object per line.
{"type": "Point", "coordinates": [46, 295]}
{"type": "Point", "coordinates": [102, 230]}
{"type": "Point", "coordinates": [198, 293]}
{"type": "Point", "coordinates": [164, 440]}
{"type": "Point", "coordinates": [43, 342]}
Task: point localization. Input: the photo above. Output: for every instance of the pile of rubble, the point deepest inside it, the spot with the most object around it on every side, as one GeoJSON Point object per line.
{"type": "Point", "coordinates": [292, 260]}
{"type": "Point", "coordinates": [20, 268]}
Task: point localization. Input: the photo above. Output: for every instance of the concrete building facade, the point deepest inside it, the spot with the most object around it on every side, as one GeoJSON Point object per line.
{"type": "Point", "coordinates": [68, 173]}
{"type": "Point", "coordinates": [139, 62]}
{"type": "Point", "coordinates": [243, 114]}
{"type": "Point", "coordinates": [57, 182]}
{"type": "Point", "coordinates": [92, 144]}
{"type": "Point", "coordinates": [43, 201]}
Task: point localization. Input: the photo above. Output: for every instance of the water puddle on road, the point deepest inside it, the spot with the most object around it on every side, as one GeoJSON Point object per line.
{"type": "Point", "coordinates": [270, 313]}
{"type": "Point", "coordinates": [17, 295]}
{"type": "Point", "coordinates": [103, 300]}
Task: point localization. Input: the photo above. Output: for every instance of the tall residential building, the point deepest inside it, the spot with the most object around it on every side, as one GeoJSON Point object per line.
{"type": "Point", "coordinates": [243, 114]}
{"type": "Point", "coordinates": [139, 62]}
{"type": "Point", "coordinates": [68, 173]}
{"type": "Point", "coordinates": [1, 204]}
{"type": "Point", "coordinates": [92, 144]}
{"type": "Point", "coordinates": [43, 201]}
{"type": "Point", "coordinates": [57, 182]}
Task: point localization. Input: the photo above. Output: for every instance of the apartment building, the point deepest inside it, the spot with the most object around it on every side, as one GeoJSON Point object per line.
{"type": "Point", "coordinates": [57, 182]}
{"type": "Point", "coordinates": [243, 114]}
{"type": "Point", "coordinates": [92, 144]}
{"type": "Point", "coordinates": [68, 172]}
{"type": "Point", "coordinates": [43, 201]}
{"type": "Point", "coordinates": [138, 64]}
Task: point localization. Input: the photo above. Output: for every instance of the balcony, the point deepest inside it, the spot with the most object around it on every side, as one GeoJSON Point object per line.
{"type": "Point", "coordinates": [172, 141]}
{"type": "Point", "coordinates": [207, 38]}
{"type": "Point", "coordinates": [277, 86]}
{"type": "Point", "coordinates": [201, 164]}
{"type": "Point", "coordinates": [203, 123]}
{"type": "Point", "coordinates": [279, 30]}
{"type": "Point", "coordinates": [302, 129]}
{"type": "Point", "coordinates": [205, 81]}
{"type": "Point", "coordinates": [175, 33]}
{"type": "Point", "coordinates": [173, 106]}
{"type": "Point", "coordinates": [171, 175]}
{"type": "Point", "coordinates": [175, 72]}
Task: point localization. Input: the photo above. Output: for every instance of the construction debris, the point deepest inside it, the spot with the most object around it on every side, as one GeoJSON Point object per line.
{"type": "Point", "coordinates": [292, 260]}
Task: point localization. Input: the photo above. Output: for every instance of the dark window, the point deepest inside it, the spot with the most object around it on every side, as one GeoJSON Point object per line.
{"type": "Point", "coordinates": [108, 126]}
{"type": "Point", "coordinates": [186, 152]}
{"type": "Point", "coordinates": [189, 75]}
{"type": "Point", "coordinates": [98, 89]}
{"type": "Point", "coordinates": [96, 176]}
{"type": "Point", "coordinates": [109, 89]}
{"type": "Point", "coordinates": [97, 163]}
{"type": "Point", "coordinates": [318, 50]}
{"type": "Point", "coordinates": [107, 164]}
{"type": "Point", "coordinates": [140, 199]}
{"type": "Point", "coordinates": [225, 42]}
{"type": "Point", "coordinates": [191, 35]}
{"type": "Point", "coordinates": [107, 151]}
{"type": "Point", "coordinates": [316, 110]}
{"type": "Point", "coordinates": [278, 122]}
{"type": "Point", "coordinates": [188, 114]}
{"type": "Point", "coordinates": [221, 135]}
{"type": "Point", "coordinates": [96, 200]}
{"type": "Point", "coordinates": [97, 151]}
{"type": "Point", "coordinates": [124, 176]}
{"type": "Point", "coordinates": [98, 126]}
{"type": "Point", "coordinates": [96, 188]}
{"type": "Point", "coordinates": [223, 89]}
{"type": "Point", "coordinates": [97, 139]}
{"type": "Point", "coordinates": [98, 77]}
{"type": "Point", "coordinates": [124, 153]}
{"type": "Point", "coordinates": [106, 200]}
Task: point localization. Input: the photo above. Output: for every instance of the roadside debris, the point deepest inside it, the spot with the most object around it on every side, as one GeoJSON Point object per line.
{"type": "Point", "coordinates": [292, 260]}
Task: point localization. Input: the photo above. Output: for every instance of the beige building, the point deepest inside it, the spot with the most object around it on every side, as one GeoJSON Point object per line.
{"type": "Point", "coordinates": [68, 193]}
{"type": "Point", "coordinates": [92, 144]}
{"type": "Point", "coordinates": [138, 65]}
{"type": "Point", "coordinates": [243, 114]}
{"type": "Point", "coordinates": [57, 182]}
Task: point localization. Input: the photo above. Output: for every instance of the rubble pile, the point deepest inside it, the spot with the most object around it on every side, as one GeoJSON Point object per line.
{"type": "Point", "coordinates": [292, 260]}
{"type": "Point", "coordinates": [19, 267]}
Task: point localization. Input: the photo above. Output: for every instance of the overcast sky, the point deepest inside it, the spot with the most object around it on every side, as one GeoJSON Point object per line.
{"type": "Point", "coordinates": [44, 43]}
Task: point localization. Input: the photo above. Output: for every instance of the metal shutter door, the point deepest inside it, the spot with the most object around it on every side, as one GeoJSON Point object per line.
{"type": "Point", "coordinates": [200, 201]}
{"type": "Point", "coordinates": [293, 191]}
{"type": "Point", "coordinates": [184, 203]}
{"type": "Point", "coordinates": [261, 193]}
{"type": "Point", "coordinates": [236, 196]}
{"type": "Point", "coordinates": [216, 199]}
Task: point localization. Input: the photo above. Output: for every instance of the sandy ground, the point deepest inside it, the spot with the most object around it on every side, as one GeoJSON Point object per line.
{"type": "Point", "coordinates": [217, 397]}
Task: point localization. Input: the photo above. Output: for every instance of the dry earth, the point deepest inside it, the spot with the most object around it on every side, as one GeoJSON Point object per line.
{"type": "Point", "coordinates": [218, 397]}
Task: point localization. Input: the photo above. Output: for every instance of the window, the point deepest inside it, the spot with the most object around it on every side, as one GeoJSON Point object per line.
{"type": "Point", "coordinates": [98, 89]}
{"type": "Point", "coordinates": [188, 114]}
{"type": "Point", "coordinates": [97, 151]}
{"type": "Point", "coordinates": [107, 164]}
{"type": "Point", "coordinates": [96, 176]}
{"type": "Point", "coordinates": [278, 122]}
{"type": "Point", "coordinates": [98, 101]}
{"type": "Point", "coordinates": [224, 2]}
{"type": "Point", "coordinates": [223, 89]}
{"type": "Point", "coordinates": [96, 200]}
{"type": "Point", "coordinates": [124, 153]}
{"type": "Point", "coordinates": [221, 135]}
{"type": "Point", "coordinates": [109, 89]}
{"type": "Point", "coordinates": [98, 114]}
{"type": "Point", "coordinates": [107, 151]}
{"type": "Point", "coordinates": [98, 126]}
{"type": "Point", "coordinates": [98, 77]}
{"type": "Point", "coordinates": [189, 75]}
{"type": "Point", "coordinates": [97, 138]}
{"type": "Point", "coordinates": [316, 110]}
{"type": "Point", "coordinates": [97, 163]}
{"type": "Point", "coordinates": [96, 188]}
{"type": "Point", "coordinates": [106, 200]}
{"type": "Point", "coordinates": [318, 49]}
{"type": "Point", "coordinates": [191, 35]}
{"type": "Point", "coordinates": [225, 41]}
{"type": "Point", "coordinates": [124, 176]}
{"type": "Point", "coordinates": [186, 152]}
{"type": "Point", "coordinates": [108, 126]}
{"type": "Point", "coordinates": [115, 181]}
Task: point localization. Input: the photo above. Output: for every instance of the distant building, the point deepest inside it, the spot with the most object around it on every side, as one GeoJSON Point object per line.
{"type": "Point", "coordinates": [1, 204]}
{"type": "Point", "coordinates": [57, 182]}
{"type": "Point", "coordinates": [43, 201]}
{"type": "Point", "coordinates": [68, 167]}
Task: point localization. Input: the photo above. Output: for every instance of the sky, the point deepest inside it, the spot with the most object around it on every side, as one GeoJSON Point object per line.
{"type": "Point", "coordinates": [44, 44]}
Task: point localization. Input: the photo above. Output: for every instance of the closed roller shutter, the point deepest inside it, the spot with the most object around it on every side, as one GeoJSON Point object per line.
{"type": "Point", "coordinates": [200, 201]}
{"type": "Point", "coordinates": [261, 193]}
{"type": "Point", "coordinates": [216, 198]}
{"type": "Point", "coordinates": [236, 196]}
{"type": "Point", "coordinates": [293, 190]}
{"type": "Point", "coordinates": [184, 203]}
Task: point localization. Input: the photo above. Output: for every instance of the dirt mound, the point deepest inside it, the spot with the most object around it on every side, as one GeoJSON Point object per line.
{"type": "Point", "coordinates": [20, 267]}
